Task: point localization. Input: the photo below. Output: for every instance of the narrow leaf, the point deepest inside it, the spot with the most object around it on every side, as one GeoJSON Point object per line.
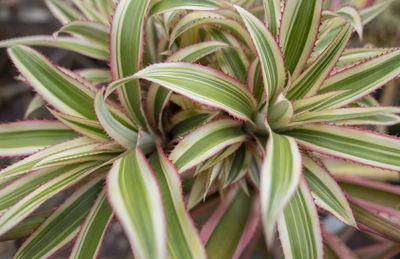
{"type": "Point", "coordinates": [299, 228]}
{"type": "Point", "coordinates": [135, 197]}
{"type": "Point", "coordinates": [91, 31]}
{"type": "Point", "coordinates": [205, 142]}
{"type": "Point", "coordinates": [63, 12]}
{"type": "Point", "coordinates": [170, 5]}
{"type": "Point", "coordinates": [273, 15]}
{"type": "Point", "coordinates": [280, 176]}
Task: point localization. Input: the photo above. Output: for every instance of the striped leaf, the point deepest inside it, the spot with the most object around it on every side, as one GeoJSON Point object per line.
{"type": "Point", "coordinates": [91, 235]}
{"type": "Point", "coordinates": [26, 137]}
{"type": "Point", "coordinates": [35, 104]}
{"type": "Point", "coordinates": [80, 46]}
{"type": "Point", "coordinates": [62, 11]}
{"type": "Point", "coordinates": [299, 29]}
{"type": "Point", "coordinates": [255, 81]}
{"type": "Point", "coordinates": [95, 75]}
{"type": "Point", "coordinates": [135, 197]}
{"type": "Point", "coordinates": [91, 31]}
{"type": "Point", "coordinates": [368, 14]}
{"type": "Point", "coordinates": [188, 120]}
{"type": "Point", "coordinates": [206, 141]}
{"type": "Point", "coordinates": [26, 164]}
{"type": "Point", "coordinates": [33, 200]}
{"type": "Point", "coordinates": [219, 157]}
{"type": "Point", "coordinates": [371, 221]}
{"type": "Point", "coordinates": [67, 95]}
{"type": "Point", "coordinates": [308, 83]}
{"type": "Point", "coordinates": [106, 7]}
{"type": "Point", "coordinates": [85, 127]}
{"type": "Point", "coordinates": [126, 43]}
{"type": "Point", "coordinates": [299, 228]}
{"type": "Point", "coordinates": [353, 144]}
{"type": "Point", "coordinates": [232, 61]}
{"type": "Point", "coordinates": [237, 165]}
{"type": "Point", "coordinates": [378, 120]}
{"type": "Point", "coordinates": [171, 5]}
{"type": "Point", "coordinates": [306, 104]}
{"type": "Point", "coordinates": [183, 240]}
{"type": "Point", "coordinates": [91, 13]}
{"type": "Point", "coordinates": [353, 17]}
{"type": "Point", "coordinates": [273, 15]}
{"type": "Point", "coordinates": [62, 226]}
{"type": "Point", "coordinates": [26, 227]}
{"type": "Point", "coordinates": [199, 18]}
{"type": "Point", "coordinates": [355, 55]}
{"type": "Point", "coordinates": [280, 176]}
{"type": "Point", "coordinates": [201, 84]}
{"type": "Point", "coordinates": [237, 218]}
{"type": "Point", "coordinates": [326, 192]}
{"type": "Point", "coordinates": [328, 116]}
{"type": "Point", "coordinates": [362, 79]}
{"type": "Point", "coordinates": [269, 54]}
{"type": "Point", "coordinates": [157, 97]}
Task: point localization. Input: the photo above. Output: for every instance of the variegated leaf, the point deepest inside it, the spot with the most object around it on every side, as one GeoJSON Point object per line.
{"type": "Point", "coordinates": [280, 176]}
{"type": "Point", "coordinates": [299, 227]}
{"type": "Point", "coordinates": [298, 31]}
{"type": "Point", "coordinates": [62, 226]}
{"type": "Point", "coordinates": [269, 54]}
{"type": "Point", "coordinates": [327, 192]}
{"type": "Point", "coordinates": [135, 197]}
{"type": "Point", "coordinates": [206, 141]}
{"type": "Point", "coordinates": [26, 137]}
{"type": "Point", "coordinates": [91, 235]}
{"type": "Point", "coordinates": [273, 15]}
{"type": "Point", "coordinates": [91, 31]}
{"type": "Point", "coordinates": [171, 5]}
{"type": "Point", "coordinates": [353, 144]}
{"type": "Point", "coordinates": [63, 12]}
{"type": "Point", "coordinates": [183, 240]}
{"type": "Point", "coordinates": [126, 43]}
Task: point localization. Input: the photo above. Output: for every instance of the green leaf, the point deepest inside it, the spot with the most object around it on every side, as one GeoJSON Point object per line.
{"type": "Point", "coordinates": [91, 31]}
{"type": "Point", "coordinates": [280, 176]}
{"type": "Point", "coordinates": [230, 227]}
{"type": "Point", "coordinates": [356, 145]}
{"type": "Point", "coordinates": [183, 240]}
{"type": "Point", "coordinates": [299, 228]}
{"type": "Point", "coordinates": [80, 46]}
{"type": "Point", "coordinates": [327, 192]}
{"type": "Point", "coordinates": [63, 12]}
{"type": "Point", "coordinates": [62, 226]}
{"type": "Point", "coordinates": [36, 103]}
{"type": "Point", "coordinates": [199, 18]}
{"type": "Point", "coordinates": [171, 5]}
{"type": "Point", "coordinates": [96, 75]}
{"type": "Point", "coordinates": [237, 165]}
{"type": "Point", "coordinates": [306, 104]}
{"type": "Point", "coordinates": [298, 31]}
{"type": "Point", "coordinates": [19, 211]}
{"type": "Point", "coordinates": [67, 95]}
{"type": "Point", "coordinates": [135, 197]}
{"type": "Point", "coordinates": [126, 43]}
{"type": "Point", "coordinates": [269, 53]}
{"type": "Point", "coordinates": [368, 14]}
{"type": "Point", "coordinates": [88, 242]}
{"type": "Point", "coordinates": [355, 55]}
{"type": "Point", "coordinates": [273, 15]}
{"type": "Point", "coordinates": [232, 61]}
{"type": "Point", "coordinates": [206, 141]}
{"type": "Point", "coordinates": [308, 83]}
{"type": "Point", "coordinates": [255, 81]}
{"type": "Point", "coordinates": [201, 84]}
{"type": "Point", "coordinates": [25, 137]}
{"type": "Point", "coordinates": [26, 227]}
{"type": "Point", "coordinates": [361, 80]}
{"type": "Point", "coordinates": [91, 13]}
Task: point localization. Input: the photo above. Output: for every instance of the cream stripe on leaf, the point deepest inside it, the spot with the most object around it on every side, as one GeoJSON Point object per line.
{"type": "Point", "coordinates": [361, 79]}
{"type": "Point", "coordinates": [280, 176]}
{"type": "Point", "coordinates": [205, 142]}
{"type": "Point", "coordinates": [299, 227]}
{"type": "Point", "coordinates": [135, 197]}
{"type": "Point", "coordinates": [269, 53]}
{"type": "Point", "coordinates": [26, 137]}
{"type": "Point", "coordinates": [272, 10]}
{"type": "Point", "coordinates": [63, 225]}
{"type": "Point", "coordinates": [202, 84]}
{"type": "Point", "coordinates": [352, 144]}
{"type": "Point", "coordinates": [91, 235]}
{"type": "Point", "coordinates": [308, 83]}
{"type": "Point", "coordinates": [183, 239]}
{"type": "Point", "coordinates": [298, 31]}
{"type": "Point", "coordinates": [171, 5]}
{"type": "Point", "coordinates": [126, 44]}
{"type": "Point", "coordinates": [326, 192]}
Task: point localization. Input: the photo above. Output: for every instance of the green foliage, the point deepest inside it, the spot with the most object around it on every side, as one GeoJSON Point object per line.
{"type": "Point", "coordinates": [242, 103]}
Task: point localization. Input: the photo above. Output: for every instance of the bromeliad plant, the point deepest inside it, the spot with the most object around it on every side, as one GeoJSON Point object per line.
{"type": "Point", "coordinates": [206, 93]}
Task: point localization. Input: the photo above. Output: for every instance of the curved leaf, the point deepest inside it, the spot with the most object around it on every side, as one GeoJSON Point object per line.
{"type": "Point", "coordinates": [170, 5]}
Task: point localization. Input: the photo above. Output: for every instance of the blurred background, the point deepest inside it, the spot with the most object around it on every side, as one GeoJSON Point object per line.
{"type": "Point", "coordinates": [31, 17]}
